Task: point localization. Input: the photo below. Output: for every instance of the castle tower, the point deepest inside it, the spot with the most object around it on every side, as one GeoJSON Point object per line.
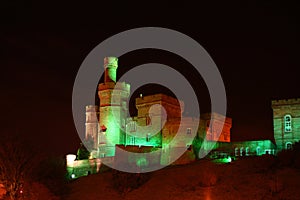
{"type": "Point", "coordinates": [286, 122]}
{"type": "Point", "coordinates": [213, 129]}
{"type": "Point", "coordinates": [91, 124]}
{"type": "Point", "coordinates": [113, 106]}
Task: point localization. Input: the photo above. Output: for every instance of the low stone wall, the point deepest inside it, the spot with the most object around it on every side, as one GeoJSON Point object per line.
{"type": "Point", "coordinates": [80, 168]}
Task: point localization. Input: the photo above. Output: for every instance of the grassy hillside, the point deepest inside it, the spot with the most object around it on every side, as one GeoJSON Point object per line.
{"type": "Point", "coordinates": [249, 178]}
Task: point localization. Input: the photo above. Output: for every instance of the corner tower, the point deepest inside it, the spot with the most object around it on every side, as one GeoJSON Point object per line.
{"type": "Point", "coordinates": [286, 122]}
{"type": "Point", "coordinates": [113, 106]}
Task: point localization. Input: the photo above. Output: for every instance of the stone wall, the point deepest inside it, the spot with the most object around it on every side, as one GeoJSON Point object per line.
{"type": "Point", "coordinates": [282, 108]}
{"type": "Point", "coordinates": [80, 168]}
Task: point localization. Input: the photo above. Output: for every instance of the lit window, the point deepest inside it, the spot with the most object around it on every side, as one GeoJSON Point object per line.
{"type": "Point", "coordinates": [132, 126]}
{"type": "Point", "coordinates": [132, 140]}
{"type": "Point", "coordinates": [236, 151]}
{"type": "Point", "coordinates": [258, 151]}
{"type": "Point", "coordinates": [247, 151]}
{"type": "Point", "coordinates": [148, 121]}
{"type": "Point", "coordinates": [287, 123]}
{"type": "Point", "coordinates": [242, 151]}
{"type": "Point", "coordinates": [189, 131]}
{"type": "Point", "coordinates": [148, 137]}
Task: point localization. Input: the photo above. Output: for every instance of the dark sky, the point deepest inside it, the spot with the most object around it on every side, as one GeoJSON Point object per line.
{"type": "Point", "coordinates": [254, 44]}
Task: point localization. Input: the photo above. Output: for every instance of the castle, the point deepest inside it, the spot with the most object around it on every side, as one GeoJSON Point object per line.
{"type": "Point", "coordinates": [108, 126]}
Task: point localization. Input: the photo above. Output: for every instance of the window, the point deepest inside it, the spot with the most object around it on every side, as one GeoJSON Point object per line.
{"type": "Point", "coordinates": [189, 147]}
{"type": "Point", "coordinates": [123, 123]}
{"type": "Point", "coordinates": [288, 145]}
{"type": "Point", "coordinates": [287, 123]}
{"type": "Point", "coordinates": [132, 140]}
{"type": "Point", "coordinates": [258, 151]}
{"type": "Point", "coordinates": [148, 137]}
{"type": "Point", "coordinates": [236, 151]}
{"type": "Point", "coordinates": [242, 151]}
{"type": "Point", "coordinates": [148, 120]}
{"type": "Point", "coordinates": [132, 126]}
{"type": "Point", "coordinates": [188, 131]}
{"type": "Point", "coordinates": [247, 151]}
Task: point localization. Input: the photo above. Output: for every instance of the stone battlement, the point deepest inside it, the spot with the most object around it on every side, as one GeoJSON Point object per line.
{"type": "Point", "coordinates": [92, 108]}
{"type": "Point", "coordinates": [158, 97]}
{"type": "Point", "coordinates": [117, 86]}
{"type": "Point", "coordinates": [111, 62]}
{"type": "Point", "coordinates": [285, 102]}
{"type": "Point", "coordinates": [216, 116]}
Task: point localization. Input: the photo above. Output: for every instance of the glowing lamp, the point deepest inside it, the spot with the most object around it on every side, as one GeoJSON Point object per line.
{"type": "Point", "coordinates": [70, 158]}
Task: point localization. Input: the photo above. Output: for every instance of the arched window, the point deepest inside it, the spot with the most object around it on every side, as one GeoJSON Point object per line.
{"type": "Point", "coordinates": [148, 137]}
{"type": "Point", "coordinates": [188, 131]}
{"type": "Point", "coordinates": [247, 151]}
{"type": "Point", "coordinates": [287, 123]}
{"type": "Point", "coordinates": [288, 145]}
{"type": "Point", "coordinates": [258, 150]}
{"type": "Point", "coordinates": [236, 151]}
{"type": "Point", "coordinates": [241, 151]}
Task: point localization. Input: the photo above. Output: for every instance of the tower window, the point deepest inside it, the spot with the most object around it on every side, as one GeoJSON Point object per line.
{"type": "Point", "coordinates": [287, 123]}
{"type": "Point", "coordinates": [288, 146]}
{"type": "Point", "coordinates": [148, 120]}
{"type": "Point", "coordinates": [189, 131]}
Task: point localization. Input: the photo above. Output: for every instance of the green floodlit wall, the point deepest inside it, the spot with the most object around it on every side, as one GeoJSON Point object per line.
{"type": "Point", "coordinates": [85, 167]}
{"type": "Point", "coordinates": [151, 156]}
{"type": "Point", "coordinates": [142, 160]}
{"type": "Point", "coordinates": [282, 108]}
{"type": "Point", "coordinates": [245, 148]}
{"type": "Point", "coordinates": [153, 141]}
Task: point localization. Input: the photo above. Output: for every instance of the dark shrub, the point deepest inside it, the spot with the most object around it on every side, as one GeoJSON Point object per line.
{"type": "Point", "coordinates": [125, 182]}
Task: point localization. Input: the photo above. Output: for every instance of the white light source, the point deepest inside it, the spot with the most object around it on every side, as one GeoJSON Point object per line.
{"type": "Point", "coordinates": [70, 159]}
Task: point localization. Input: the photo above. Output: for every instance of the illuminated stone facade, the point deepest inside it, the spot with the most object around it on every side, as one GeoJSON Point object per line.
{"type": "Point", "coordinates": [286, 122]}
{"type": "Point", "coordinates": [107, 125]}
{"type": "Point", "coordinates": [113, 108]}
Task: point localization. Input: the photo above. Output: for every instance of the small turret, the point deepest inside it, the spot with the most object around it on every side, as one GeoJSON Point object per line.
{"type": "Point", "coordinates": [110, 66]}
{"type": "Point", "coordinates": [113, 107]}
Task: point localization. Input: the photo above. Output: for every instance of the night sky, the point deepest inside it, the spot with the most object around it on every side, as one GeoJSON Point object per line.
{"type": "Point", "coordinates": [254, 44]}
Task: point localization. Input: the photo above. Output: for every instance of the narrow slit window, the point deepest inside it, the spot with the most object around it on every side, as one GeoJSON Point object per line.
{"type": "Point", "coordinates": [148, 137]}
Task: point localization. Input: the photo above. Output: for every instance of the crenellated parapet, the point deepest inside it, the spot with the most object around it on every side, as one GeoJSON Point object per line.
{"type": "Point", "coordinates": [286, 122]}
{"type": "Point", "coordinates": [282, 102]}
{"type": "Point", "coordinates": [286, 106]}
{"type": "Point", "coordinates": [217, 116]}
{"type": "Point", "coordinates": [92, 108]}
{"type": "Point", "coordinates": [172, 106]}
{"type": "Point", "coordinates": [117, 86]}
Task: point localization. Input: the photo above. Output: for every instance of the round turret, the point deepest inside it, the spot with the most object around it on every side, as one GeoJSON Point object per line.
{"type": "Point", "coordinates": [110, 66]}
